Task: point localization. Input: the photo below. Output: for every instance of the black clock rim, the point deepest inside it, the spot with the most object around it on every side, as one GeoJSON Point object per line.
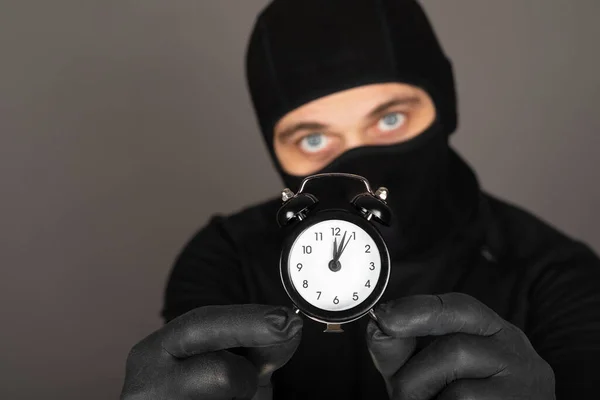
{"type": "Point", "coordinates": [335, 316]}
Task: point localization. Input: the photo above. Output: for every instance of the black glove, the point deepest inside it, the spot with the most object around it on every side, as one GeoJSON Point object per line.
{"type": "Point", "coordinates": [477, 354]}
{"type": "Point", "coordinates": [188, 358]}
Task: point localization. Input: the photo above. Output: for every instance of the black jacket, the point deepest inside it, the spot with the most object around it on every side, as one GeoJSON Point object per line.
{"type": "Point", "coordinates": [532, 275]}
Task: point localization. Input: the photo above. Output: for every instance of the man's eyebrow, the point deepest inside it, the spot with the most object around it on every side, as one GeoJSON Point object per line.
{"type": "Point", "coordinates": [289, 132]}
{"type": "Point", "coordinates": [397, 101]}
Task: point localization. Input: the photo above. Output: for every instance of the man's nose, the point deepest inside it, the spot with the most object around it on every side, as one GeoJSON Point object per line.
{"type": "Point", "coordinates": [354, 138]}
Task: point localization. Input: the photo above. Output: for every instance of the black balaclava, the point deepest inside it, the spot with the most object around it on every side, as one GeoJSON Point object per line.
{"type": "Point", "coordinates": [302, 50]}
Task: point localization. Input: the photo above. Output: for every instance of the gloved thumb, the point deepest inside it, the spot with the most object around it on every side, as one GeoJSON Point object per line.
{"type": "Point", "coordinates": [388, 353]}
{"type": "Point", "coordinates": [268, 359]}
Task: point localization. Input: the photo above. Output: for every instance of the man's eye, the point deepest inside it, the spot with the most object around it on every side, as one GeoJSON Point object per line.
{"type": "Point", "coordinates": [313, 143]}
{"type": "Point", "coordinates": [391, 121]}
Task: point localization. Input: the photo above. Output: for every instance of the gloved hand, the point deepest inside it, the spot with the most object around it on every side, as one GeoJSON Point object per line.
{"type": "Point", "coordinates": [188, 358]}
{"type": "Point", "coordinates": [476, 355]}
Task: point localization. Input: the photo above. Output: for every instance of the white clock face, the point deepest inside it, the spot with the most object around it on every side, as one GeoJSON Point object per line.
{"type": "Point", "coordinates": [330, 281]}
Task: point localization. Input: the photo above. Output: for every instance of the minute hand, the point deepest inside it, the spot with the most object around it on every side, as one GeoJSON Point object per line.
{"type": "Point", "coordinates": [342, 247]}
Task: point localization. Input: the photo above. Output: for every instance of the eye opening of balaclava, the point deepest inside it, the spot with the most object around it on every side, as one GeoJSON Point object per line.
{"type": "Point", "coordinates": [302, 50]}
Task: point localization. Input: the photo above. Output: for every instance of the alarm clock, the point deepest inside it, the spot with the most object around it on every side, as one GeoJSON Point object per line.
{"type": "Point", "coordinates": [334, 263]}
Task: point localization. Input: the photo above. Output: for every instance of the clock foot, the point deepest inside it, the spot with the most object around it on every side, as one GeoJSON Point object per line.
{"type": "Point", "coordinates": [372, 315]}
{"type": "Point", "coordinates": [334, 328]}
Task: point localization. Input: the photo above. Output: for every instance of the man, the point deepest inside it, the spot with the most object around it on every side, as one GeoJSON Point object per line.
{"type": "Point", "coordinates": [485, 301]}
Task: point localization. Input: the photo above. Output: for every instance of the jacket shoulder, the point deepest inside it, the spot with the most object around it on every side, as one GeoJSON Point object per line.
{"type": "Point", "coordinates": [252, 222]}
{"type": "Point", "coordinates": [519, 234]}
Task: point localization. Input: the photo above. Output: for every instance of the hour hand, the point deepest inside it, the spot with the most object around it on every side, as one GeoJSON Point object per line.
{"type": "Point", "coordinates": [341, 248]}
{"type": "Point", "coordinates": [334, 249]}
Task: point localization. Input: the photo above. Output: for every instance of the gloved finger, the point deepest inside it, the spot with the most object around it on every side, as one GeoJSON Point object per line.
{"type": "Point", "coordinates": [424, 315]}
{"type": "Point", "coordinates": [213, 328]}
{"type": "Point", "coordinates": [450, 358]}
{"type": "Point", "coordinates": [480, 389]}
{"type": "Point", "coordinates": [218, 375]}
{"type": "Point", "coordinates": [388, 353]}
{"type": "Point", "coordinates": [268, 359]}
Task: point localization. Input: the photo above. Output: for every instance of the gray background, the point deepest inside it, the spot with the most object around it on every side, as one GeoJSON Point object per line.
{"type": "Point", "coordinates": [125, 124]}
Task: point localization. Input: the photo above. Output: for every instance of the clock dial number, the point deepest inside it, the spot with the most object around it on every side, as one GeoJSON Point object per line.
{"type": "Point", "coordinates": [299, 266]}
{"type": "Point", "coordinates": [319, 296]}
{"type": "Point", "coordinates": [355, 296]}
{"type": "Point", "coordinates": [336, 300]}
{"type": "Point", "coordinates": [367, 248]}
{"type": "Point", "coordinates": [336, 232]}
{"type": "Point", "coordinates": [368, 284]}
{"type": "Point", "coordinates": [306, 249]}
{"type": "Point", "coordinates": [305, 284]}
{"type": "Point", "coordinates": [318, 236]}
{"type": "Point", "coordinates": [372, 267]}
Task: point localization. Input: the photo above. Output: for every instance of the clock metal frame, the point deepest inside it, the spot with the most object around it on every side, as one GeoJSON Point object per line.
{"type": "Point", "coordinates": [319, 314]}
